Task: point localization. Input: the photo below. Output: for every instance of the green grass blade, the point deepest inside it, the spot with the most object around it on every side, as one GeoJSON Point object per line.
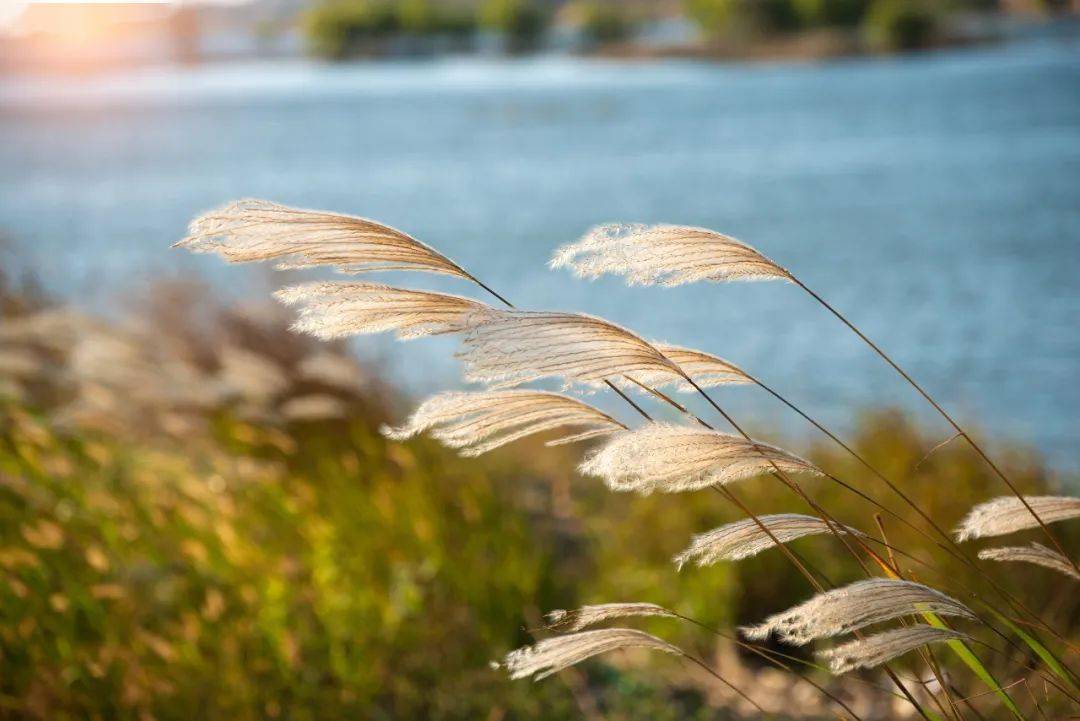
{"type": "Point", "coordinates": [961, 649]}
{"type": "Point", "coordinates": [1040, 650]}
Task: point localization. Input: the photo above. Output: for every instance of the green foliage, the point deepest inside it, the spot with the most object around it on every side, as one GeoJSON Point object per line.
{"type": "Point", "coordinates": [337, 29]}
{"type": "Point", "coordinates": [846, 13]}
{"type": "Point", "coordinates": [606, 22]}
{"type": "Point", "coordinates": [522, 21]}
{"type": "Point", "coordinates": [737, 17]}
{"type": "Point", "coordinates": [900, 24]}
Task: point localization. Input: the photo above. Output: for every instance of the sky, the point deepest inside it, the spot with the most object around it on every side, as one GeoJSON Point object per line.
{"type": "Point", "coordinates": [11, 9]}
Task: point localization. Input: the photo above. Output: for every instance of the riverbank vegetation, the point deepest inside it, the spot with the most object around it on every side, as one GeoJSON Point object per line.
{"type": "Point", "coordinates": [340, 29]}
{"type": "Point", "coordinates": [200, 519]}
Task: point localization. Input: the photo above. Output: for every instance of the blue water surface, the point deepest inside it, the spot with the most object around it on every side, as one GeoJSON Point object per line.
{"type": "Point", "coordinates": [935, 199]}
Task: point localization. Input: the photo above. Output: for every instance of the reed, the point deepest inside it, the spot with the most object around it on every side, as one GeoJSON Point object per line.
{"type": "Point", "coordinates": [507, 348]}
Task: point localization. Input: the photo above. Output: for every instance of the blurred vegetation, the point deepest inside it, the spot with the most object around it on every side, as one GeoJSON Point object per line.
{"type": "Point", "coordinates": [521, 22]}
{"type": "Point", "coordinates": [338, 29]}
{"type": "Point", "coordinates": [254, 557]}
{"type": "Point", "coordinates": [887, 24]}
{"type": "Point", "coordinates": [901, 24]}
{"type": "Point", "coordinates": [605, 21]}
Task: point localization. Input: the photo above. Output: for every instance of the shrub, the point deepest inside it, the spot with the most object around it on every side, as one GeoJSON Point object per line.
{"type": "Point", "coordinates": [523, 22]}
{"type": "Point", "coordinates": [900, 24]}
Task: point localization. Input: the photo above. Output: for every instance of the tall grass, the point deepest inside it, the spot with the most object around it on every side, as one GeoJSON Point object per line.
{"type": "Point", "coordinates": [514, 347]}
{"type": "Point", "coordinates": [202, 520]}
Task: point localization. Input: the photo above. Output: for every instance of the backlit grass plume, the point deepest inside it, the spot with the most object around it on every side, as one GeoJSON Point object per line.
{"type": "Point", "coordinates": [1008, 514]}
{"type": "Point", "coordinates": [555, 654]}
{"type": "Point", "coordinates": [479, 422]}
{"type": "Point", "coordinates": [672, 458]}
{"type": "Point", "coordinates": [664, 254]}
{"type": "Point", "coordinates": [512, 347]}
{"type": "Point", "coordinates": [706, 369]}
{"type": "Point", "coordinates": [847, 609]}
{"type": "Point", "coordinates": [255, 230]}
{"type": "Point", "coordinates": [745, 538]}
{"type": "Point", "coordinates": [581, 618]}
{"type": "Point", "coordinates": [335, 309]}
{"type": "Point", "coordinates": [883, 647]}
{"type": "Point", "coordinates": [1036, 553]}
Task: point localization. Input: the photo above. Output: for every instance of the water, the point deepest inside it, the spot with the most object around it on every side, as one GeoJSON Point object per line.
{"type": "Point", "coordinates": [935, 199]}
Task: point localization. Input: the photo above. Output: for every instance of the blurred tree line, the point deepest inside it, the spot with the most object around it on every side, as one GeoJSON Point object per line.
{"type": "Point", "coordinates": [339, 29]}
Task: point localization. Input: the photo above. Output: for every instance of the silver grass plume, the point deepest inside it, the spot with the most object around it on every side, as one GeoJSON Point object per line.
{"type": "Point", "coordinates": [664, 254]}
{"type": "Point", "coordinates": [745, 538]}
{"type": "Point", "coordinates": [1035, 553]}
{"type": "Point", "coordinates": [581, 618]}
{"type": "Point", "coordinates": [1007, 515]}
{"type": "Point", "coordinates": [481, 421]}
{"type": "Point", "coordinates": [847, 609]}
{"type": "Point", "coordinates": [706, 369]}
{"type": "Point", "coordinates": [254, 230]}
{"type": "Point", "coordinates": [508, 348]}
{"type": "Point", "coordinates": [561, 652]}
{"type": "Point", "coordinates": [883, 647]}
{"type": "Point", "coordinates": [673, 458]}
{"type": "Point", "coordinates": [335, 309]}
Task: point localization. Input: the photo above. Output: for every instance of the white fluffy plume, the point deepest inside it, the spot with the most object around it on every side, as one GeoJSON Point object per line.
{"type": "Point", "coordinates": [1007, 514]}
{"type": "Point", "coordinates": [706, 369]}
{"type": "Point", "coordinates": [1035, 553]}
{"type": "Point", "coordinates": [855, 606]}
{"type": "Point", "coordinates": [883, 647]}
{"type": "Point", "coordinates": [665, 254]}
{"type": "Point", "coordinates": [509, 348]}
{"type": "Point", "coordinates": [479, 422]}
{"type": "Point", "coordinates": [555, 654]}
{"type": "Point", "coordinates": [581, 618]}
{"type": "Point", "coordinates": [745, 538]}
{"type": "Point", "coordinates": [253, 230]}
{"type": "Point", "coordinates": [335, 309]}
{"type": "Point", "coordinates": [672, 458]}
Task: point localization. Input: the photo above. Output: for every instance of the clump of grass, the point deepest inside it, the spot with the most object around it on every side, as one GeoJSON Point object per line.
{"type": "Point", "coordinates": [513, 347]}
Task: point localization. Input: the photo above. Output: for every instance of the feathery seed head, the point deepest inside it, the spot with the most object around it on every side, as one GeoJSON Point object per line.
{"type": "Point", "coordinates": [847, 609]}
{"type": "Point", "coordinates": [1035, 553]}
{"type": "Point", "coordinates": [334, 309]}
{"type": "Point", "coordinates": [479, 422]}
{"type": "Point", "coordinates": [673, 458]}
{"type": "Point", "coordinates": [581, 618]}
{"type": "Point", "coordinates": [253, 230]}
{"type": "Point", "coordinates": [745, 538]}
{"type": "Point", "coordinates": [508, 348]}
{"type": "Point", "coordinates": [883, 647]}
{"type": "Point", "coordinates": [706, 369]}
{"type": "Point", "coordinates": [552, 655]}
{"type": "Point", "coordinates": [665, 254]}
{"type": "Point", "coordinates": [1007, 515]}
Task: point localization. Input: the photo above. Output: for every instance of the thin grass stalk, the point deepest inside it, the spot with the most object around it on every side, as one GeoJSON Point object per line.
{"type": "Point", "coordinates": [969, 656]}
{"type": "Point", "coordinates": [954, 549]}
{"type": "Point", "coordinates": [929, 399]}
{"type": "Point", "coordinates": [893, 677]}
{"type": "Point", "coordinates": [790, 554]}
{"type": "Point", "coordinates": [768, 656]}
{"type": "Point", "coordinates": [1008, 597]}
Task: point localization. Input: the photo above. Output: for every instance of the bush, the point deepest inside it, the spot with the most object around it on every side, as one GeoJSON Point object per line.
{"type": "Point", "coordinates": [523, 22]}
{"type": "Point", "coordinates": [845, 13]}
{"type": "Point", "coordinates": [900, 25]}
{"type": "Point", "coordinates": [337, 29]}
{"type": "Point", "coordinates": [737, 17]}
{"type": "Point", "coordinates": [605, 22]}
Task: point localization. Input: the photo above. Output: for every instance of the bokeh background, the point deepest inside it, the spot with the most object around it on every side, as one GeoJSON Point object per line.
{"type": "Point", "coordinates": [199, 516]}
